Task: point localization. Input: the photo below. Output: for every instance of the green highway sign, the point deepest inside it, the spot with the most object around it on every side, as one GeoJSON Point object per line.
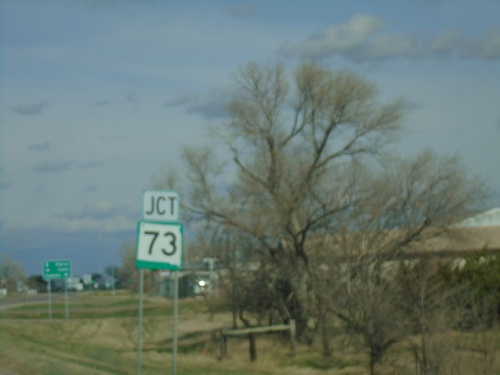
{"type": "Point", "coordinates": [56, 269]}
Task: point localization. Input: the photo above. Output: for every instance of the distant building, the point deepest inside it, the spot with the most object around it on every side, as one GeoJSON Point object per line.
{"type": "Point", "coordinates": [191, 284]}
{"type": "Point", "coordinates": [478, 233]}
{"type": "Point", "coordinates": [196, 279]}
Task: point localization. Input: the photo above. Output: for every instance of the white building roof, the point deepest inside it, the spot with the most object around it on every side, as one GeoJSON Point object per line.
{"type": "Point", "coordinates": [484, 219]}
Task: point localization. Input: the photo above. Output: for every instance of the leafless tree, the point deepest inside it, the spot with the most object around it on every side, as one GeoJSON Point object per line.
{"type": "Point", "coordinates": [399, 208]}
{"type": "Point", "coordinates": [426, 300]}
{"type": "Point", "coordinates": [127, 272]}
{"type": "Point", "coordinates": [287, 147]}
{"type": "Point", "coordinates": [239, 287]}
{"type": "Point", "coordinates": [293, 165]}
{"type": "Point", "coordinates": [11, 273]}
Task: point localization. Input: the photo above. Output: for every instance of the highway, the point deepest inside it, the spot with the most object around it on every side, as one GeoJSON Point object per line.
{"type": "Point", "coordinates": [24, 299]}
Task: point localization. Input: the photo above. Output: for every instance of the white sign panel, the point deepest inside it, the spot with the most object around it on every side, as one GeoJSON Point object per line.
{"type": "Point", "coordinates": [160, 205]}
{"type": "Point", "coordinates": [159, 245]}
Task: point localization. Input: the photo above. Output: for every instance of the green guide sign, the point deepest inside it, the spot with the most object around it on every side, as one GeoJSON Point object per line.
{"type": "Point", "coordinates": [56, 269]}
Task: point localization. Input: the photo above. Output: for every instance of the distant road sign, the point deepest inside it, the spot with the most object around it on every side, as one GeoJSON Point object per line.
{"type": "Point", "coordinates": [56, 269]}
{"type": "Point", "coordinates": [159, 245]}
{"type": "Point", "coordinates": [160, 205]}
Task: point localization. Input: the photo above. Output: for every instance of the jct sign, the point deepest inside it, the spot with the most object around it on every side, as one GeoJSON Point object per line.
{"type": "Point", "coordinates": [160, 235]}
{"type": "Point", "coordinates": [160, 205]}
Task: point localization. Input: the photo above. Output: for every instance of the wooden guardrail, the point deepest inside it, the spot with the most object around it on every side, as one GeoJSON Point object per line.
{"type": "Point", "coordinates": [250, 334]}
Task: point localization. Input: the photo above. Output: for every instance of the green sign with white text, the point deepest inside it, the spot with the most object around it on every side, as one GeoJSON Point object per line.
{"type": "Point", "coordinates": [56, 269]}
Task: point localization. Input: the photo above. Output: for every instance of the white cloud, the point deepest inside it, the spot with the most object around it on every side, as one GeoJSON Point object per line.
{"type": "Point", "coordinates": [78, 225]}
{"type": "Point", "coordinates": [29, 109]}
{"type": "Point", "coordinates": [87, 224]}
{"type": "Point", "coordinates": [102, 103]}
{"type": "Point", "coordinates": [103, 216]}
{"type": "Point", "coordinates": [363, 39]}
{"type": "Point", "coordinates": [180, 99]}
{"type": "Point", "coordinates": [91, 164]}
{"type": "Point", "coordinates": [210, 105]}
{"type": "Point", "coordinates": [52, 166]}
{"type": "Point", "coordinates": [90, 188]}
{"type": "Point", "coordinates": [247, 8]}
{"type": "Point", "coordinates": [340, 39]}
{"type": "Point", "coordinates": [389, 45]}
{"type": "Point", "coordinates": [5, 185]}
{"type": "Point", "coordinates": [41, 146]}
{"type": "Point", "coordinates": [444, 44]}
{"type": "Point", "coordinates": [103, 208]}
{"type": "Point", "coordinates": [486, 46]}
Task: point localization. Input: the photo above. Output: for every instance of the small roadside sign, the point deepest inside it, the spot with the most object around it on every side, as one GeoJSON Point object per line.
{"type": "Point", "coordinates": [56, 269]}
{"type": "Point", "coordinates": [159, 245]}
{"type": "Point", "coordinates": [160, 205]}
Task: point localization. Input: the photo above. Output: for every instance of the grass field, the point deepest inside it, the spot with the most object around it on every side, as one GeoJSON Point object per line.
{"type": "Point", "coordinates": [100, 337]}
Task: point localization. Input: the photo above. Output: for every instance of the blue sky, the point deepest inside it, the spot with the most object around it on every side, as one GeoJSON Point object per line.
{"type": "Point", "coordinates": [96, 97]}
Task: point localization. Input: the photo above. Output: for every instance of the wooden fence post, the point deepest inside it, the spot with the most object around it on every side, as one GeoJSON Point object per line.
{"type": "Point", "coordinates": [293, 336]}
{"type": "Point", "coordinates": [223, 351]}
{"type": "Point", "coordinates": [253, 348]}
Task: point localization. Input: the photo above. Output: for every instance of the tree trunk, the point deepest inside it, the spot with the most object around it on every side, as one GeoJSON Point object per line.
{"type": "Point", "coordinates": [298, 303]}
{"type": "Point", "coordinates": [372, 362]}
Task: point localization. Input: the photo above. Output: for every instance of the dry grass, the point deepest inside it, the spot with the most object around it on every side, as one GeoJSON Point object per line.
{"type": "Point", "coordinates": [109, 346]}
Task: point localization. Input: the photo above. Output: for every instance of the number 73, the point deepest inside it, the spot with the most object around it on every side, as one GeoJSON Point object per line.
{"type": "Point", "coordinates": [171, 240]}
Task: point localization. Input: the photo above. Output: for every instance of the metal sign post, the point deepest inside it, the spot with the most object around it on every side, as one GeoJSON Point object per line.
{"type": "Point", "coordinates": [66, 298]}
{"type": "Point", "coordinates": [50, 301]}
{"type": "Point", "coordinates": [176, 298]}
{"type": "Point", "coordinates": [139, 328]}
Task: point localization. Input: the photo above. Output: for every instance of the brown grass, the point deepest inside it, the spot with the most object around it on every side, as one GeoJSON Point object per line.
{"type": "Point", "coordinates": [109, 346]}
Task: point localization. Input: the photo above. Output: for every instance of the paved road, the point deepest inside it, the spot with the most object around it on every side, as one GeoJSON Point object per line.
{"type": "Point", "coordinates": [19, 300]}
{"type": "Point", "coordinates": [6, 302]}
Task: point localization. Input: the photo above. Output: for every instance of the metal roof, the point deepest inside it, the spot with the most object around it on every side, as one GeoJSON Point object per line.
{"type": "Point", "coordinates": [484, 219]}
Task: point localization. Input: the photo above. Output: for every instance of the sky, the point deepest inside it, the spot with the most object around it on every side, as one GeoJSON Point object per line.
{"type": "Point", "coordinates": [98, 96]}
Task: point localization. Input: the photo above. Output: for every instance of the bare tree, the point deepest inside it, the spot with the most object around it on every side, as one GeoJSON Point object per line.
{"type": "Point", "coordinates": [238, 287]}
{"type": "Point", "coordinates": [426, 300]}
{"type": "Point", "coordinates": [295, 169]}
{"type": "Point", "coordinates": [287, 147]}
{"type": "Point", "coordinates": [127, 272]}
{"type": "Point", "coordinates": [397, 210]}
{"type": "Point", "coordinates": [11, 273]}
{"type": "Point", "coordinates": [479, 284]}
